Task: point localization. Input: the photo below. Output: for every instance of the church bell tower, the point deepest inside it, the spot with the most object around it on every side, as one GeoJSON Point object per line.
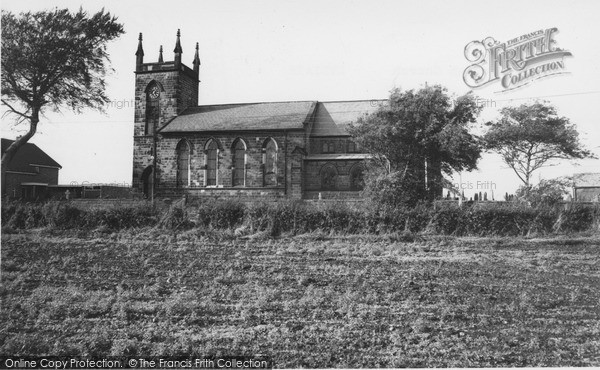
{"type": "Point", "coordinates": [163, 89]}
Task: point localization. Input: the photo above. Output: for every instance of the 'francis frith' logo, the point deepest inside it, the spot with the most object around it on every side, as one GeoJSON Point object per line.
{"type": "Point", "coordinates": [514, 63]}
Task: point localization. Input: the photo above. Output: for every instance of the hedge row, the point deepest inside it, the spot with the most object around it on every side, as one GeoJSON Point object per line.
{"type": "Point", "coordinates": [61, 215]}
{"type": "Point", "coordinates": [298, 217]}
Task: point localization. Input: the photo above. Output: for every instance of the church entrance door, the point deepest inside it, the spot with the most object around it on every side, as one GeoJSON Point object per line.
{"type": "Point", "coordinates": [148, 182]}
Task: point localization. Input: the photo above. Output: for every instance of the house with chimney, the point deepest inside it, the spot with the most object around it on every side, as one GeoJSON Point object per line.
{"type": "Point", "coordinates": [29, 173]}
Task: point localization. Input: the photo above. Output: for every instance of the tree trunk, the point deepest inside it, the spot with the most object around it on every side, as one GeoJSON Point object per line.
{"type": "Point", "coordinates": [435, 187]}
{"type": "Point", "coordinates": [419, 175]}
{"type": "Point", "coordinates": [18, 143]}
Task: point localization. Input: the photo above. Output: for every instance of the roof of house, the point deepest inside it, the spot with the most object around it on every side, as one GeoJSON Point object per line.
{"type": "Point", "coordinates": [332, 118]}
{"type": "Point", "coordinates": [581, 180]}
{"type": "Point", "coordinates": [27, 157]}
{"type": "Point", "coordinates": [242, 117]}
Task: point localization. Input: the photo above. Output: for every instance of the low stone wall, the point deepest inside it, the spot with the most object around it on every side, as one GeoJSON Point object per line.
{"type": "Point", "coordinates": [166, 198]}
{"type": "Point", "coordinates": [333, 195]}
{"type": "Point", "coordinates": [106, 203]}
{"type": "Point", "coordinates": [241, 194]}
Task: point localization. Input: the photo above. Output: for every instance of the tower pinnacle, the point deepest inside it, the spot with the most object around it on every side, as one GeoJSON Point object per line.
{"type": "Point", "coordinates": [196, 60]}
{"type": "Point", "coordinates": [139, 54]}
{"type": "Point", "coordinates": [178, 51]}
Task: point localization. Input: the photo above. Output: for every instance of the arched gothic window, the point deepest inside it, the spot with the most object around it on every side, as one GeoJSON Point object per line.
{"type": "Point", "coordinates": [152, 107]}
{"type": "Point", "coordinates": [329, 177]}
{"type": "Point", "coordinates": [352, 147]}
{"type": "Point", "coordinates": [356, 178]}
{"type": "Point", "coordinates": [212, 163]}
{"type": "Point", "coordinates": [238, 162]}
{"type": "Point", "coordinates": [270, 151]}
{"type": "Point", "coordinates": [328, 147]}
{"type": "Point", "coordinates": [183, 163]}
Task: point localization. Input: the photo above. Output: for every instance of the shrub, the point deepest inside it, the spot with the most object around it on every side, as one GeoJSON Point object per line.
{"type": "Point", "coordinates": [286, 216]}
{"type": "Point", "coordinates": [258, 216]}
{"type": "Point", "coordinates": [22, 215]}
{"type": "Point", "coordinates": [298, 217]}
{"type": "Point", "coordinates": [17, 215]}
{"type": "Point", "coordinates": [221, 214]}
{"type": "Point", "coordinates": [418, 218]}
{"type": "Point", "coordinates": [546, 193]}
{"type": "Point", "coordinates": [175, 218]}
{"type": "Point", "coordinates": [8, 230]}
{"type": "Point", "coordinates": [393, 189]}
{"type": "Point", "coordinates": [500, 221]}
{"type": "Point", "coordinates": [446, 221]}
{"type": "Point", "coordinates": [578, 218]}
{"type": "Point", "coordinates": [123, 217]}
{"type": "Point", "coordinates": [8, 210]}
{"type": "Point", "coordinates": [496, 221]}
{"type": "Point", "coordinates": [61, 215]}
{"type": "Point", "coordinates": [543, 221]}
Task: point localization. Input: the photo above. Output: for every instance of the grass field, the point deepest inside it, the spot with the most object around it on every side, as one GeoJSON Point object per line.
{"type": "Point", "coordinates": [307, 301]}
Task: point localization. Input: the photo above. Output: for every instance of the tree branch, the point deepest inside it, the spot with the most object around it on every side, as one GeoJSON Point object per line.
{"type": "Point", "coordinates": [517, 172]}
{"type": "Point", "coordinates": [16, 111]}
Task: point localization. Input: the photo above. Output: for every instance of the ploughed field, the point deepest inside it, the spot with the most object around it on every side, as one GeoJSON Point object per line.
{"type": "Point", "coordinates": [306, 301]}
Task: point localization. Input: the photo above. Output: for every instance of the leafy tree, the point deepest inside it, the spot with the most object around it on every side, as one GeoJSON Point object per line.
{"type": "Point", "coordinates": [546, 193]}
{"type": "Point", "coordinates": [418, 136]}
{"type": "Point", "coordinates": [52, 59]}
{"type": "Point", "coordinates": [530, 136]}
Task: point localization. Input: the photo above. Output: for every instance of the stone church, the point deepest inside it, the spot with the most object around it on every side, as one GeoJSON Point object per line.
{"type": "Point", "coordinates": [267, 150]}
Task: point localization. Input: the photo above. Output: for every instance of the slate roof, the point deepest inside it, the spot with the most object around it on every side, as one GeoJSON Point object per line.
{"type": "Point", "coordinates": [27, 157]}
{"type": "Point", "coordinates": [584, 180]}
{"type": "Point", "coordinates": [242, 117]}
{"type": "Point", "coordinates": [332, 118]}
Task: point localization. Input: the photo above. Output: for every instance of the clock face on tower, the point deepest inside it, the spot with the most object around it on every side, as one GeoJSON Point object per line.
{"type": "Point", "coordinates": [154, 92]}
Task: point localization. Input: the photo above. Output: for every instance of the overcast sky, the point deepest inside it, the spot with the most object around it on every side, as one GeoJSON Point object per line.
{"type": "Point", "coordinates": [253, 51]}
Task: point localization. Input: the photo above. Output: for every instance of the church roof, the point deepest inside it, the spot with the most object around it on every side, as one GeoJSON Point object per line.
{"type": "Point", "coordinates": [28, 156]}
{"type": "Point", "coordinates": [332, 118]}
{"type": "Point", "coordinates": [242, 117]}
